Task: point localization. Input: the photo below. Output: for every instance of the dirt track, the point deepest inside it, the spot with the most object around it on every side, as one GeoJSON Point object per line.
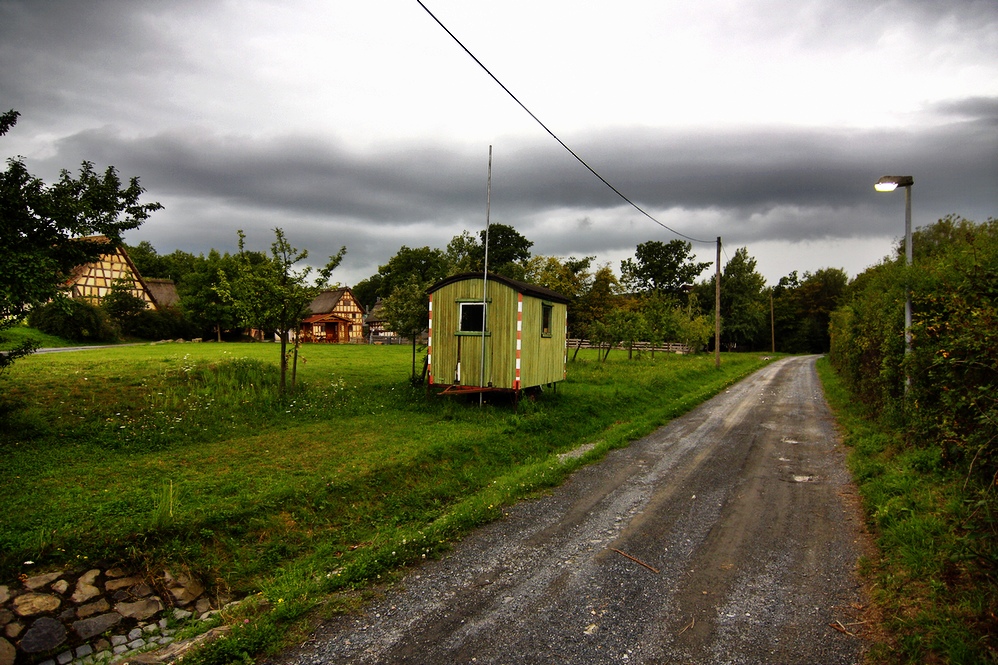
{"type": "Point", "coordinates": [742, 507]}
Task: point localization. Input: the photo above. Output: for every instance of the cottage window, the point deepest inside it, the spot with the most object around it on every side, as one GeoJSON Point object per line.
{"type": "Point", "coordinates": [547, 310]}
{"type": "Point", "coordinates": [472, 314]}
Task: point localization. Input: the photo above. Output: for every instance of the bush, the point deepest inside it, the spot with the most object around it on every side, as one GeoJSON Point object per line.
{"type": "Point", "coordinates": [158, 324]}
{"type": "Point", "coordinates": [952, 369]}
{"type": "Point", "coordinates": [947, 419]}
{"type": "Point", "coordinates": [74, 320]}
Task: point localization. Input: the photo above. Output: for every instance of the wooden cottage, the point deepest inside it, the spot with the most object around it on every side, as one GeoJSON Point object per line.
{"type": "Point", "coordinates": [377, 326]}
{"type": "Point", "coordinates": [335, 317]}
{"type": "Point", "coordinates": [93, 281]}
{"type": "Point", "coordinates": [524, 336]}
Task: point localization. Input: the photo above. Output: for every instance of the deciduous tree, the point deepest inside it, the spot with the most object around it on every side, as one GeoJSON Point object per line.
{"type": "Point", "coordinates": [570, 277]}
{"type": "Point", "coordinates": [660, 267]}
{"type": "Point", "coordinates": [274, 295]}
{"type": "Point", "coordinates": [427, 265]}
{"type": "Point", "coordinates": [47, 230]}
{"type": "Point", "coordinates": [744, 302]}
{"type": "Point", "coordinates": [509, 252]}
{"type": "Point", "coordinates": [201, 300]}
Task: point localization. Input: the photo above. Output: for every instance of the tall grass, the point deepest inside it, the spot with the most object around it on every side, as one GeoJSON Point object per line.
{"type": "Point", "coordinates": [187, 454]}
{"type": "Point", "coordinates": [939, 605]}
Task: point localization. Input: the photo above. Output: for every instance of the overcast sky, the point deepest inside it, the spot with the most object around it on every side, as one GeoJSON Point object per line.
{"type": "Point", "coordinates": [364, 124]}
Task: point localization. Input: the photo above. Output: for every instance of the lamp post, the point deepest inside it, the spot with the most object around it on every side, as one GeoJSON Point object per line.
{"type": "Point", "coordinates": [888, 184]}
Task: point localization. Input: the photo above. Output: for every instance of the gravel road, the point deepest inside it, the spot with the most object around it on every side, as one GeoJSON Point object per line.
{"type": "Point", "coordinates": [728, 536]}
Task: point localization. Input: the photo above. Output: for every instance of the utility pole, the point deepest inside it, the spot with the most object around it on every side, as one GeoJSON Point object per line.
{"type": "Point", "coordinates": [772, 319]}
{"type": "Point", "coordinates": [717, 306]}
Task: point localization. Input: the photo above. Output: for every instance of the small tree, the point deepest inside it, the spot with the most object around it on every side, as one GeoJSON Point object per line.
{"type": "Point", "coordinates": [693, 328]}
{"type": "Point", "coordinates": [272, 295]}
{"type": "Point", "coordinates": [123, 306]}
{"type": "Point", "coordinates": [661, 319]}
{"type": "Point", "coordinates": [595, 304]}
{"type": "Point", "coordinates": [407, 312]}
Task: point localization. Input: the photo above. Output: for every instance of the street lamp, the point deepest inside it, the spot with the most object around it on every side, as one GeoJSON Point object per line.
{"type": "Point", "coordinates": [888, 184]}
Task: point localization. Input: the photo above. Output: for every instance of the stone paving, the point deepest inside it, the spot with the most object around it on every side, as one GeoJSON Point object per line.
{"type": "Point", "coordinates": [103, 614]}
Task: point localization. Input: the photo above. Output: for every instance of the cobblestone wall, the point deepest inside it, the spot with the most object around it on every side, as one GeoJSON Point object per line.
{"type": "Point", "coordinates": [97, 615]}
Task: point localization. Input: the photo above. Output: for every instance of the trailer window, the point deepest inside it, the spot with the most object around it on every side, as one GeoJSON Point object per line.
{"type": "Point", "coordinates": [546, 312]}
{"type": "Point", "coordinates": [471, 317]}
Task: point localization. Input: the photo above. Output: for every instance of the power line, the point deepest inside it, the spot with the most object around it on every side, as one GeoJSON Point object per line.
{"type": "Point", "coordinates": [555, 136]}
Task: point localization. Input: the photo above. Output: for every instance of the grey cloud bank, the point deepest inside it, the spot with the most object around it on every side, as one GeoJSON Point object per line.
{"type": "Point", "coordinates": [231, 123]}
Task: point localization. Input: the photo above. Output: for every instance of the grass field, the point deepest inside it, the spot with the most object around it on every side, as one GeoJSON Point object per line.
{"type": "Point", "coordinates": [185, 453]}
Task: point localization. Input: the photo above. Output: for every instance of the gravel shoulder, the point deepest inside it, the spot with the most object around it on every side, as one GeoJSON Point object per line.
{"type": "Point", "coordinates": [728, 536]}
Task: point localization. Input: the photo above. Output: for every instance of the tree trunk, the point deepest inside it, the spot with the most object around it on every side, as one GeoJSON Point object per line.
{"type": "Point", "coordinates": [413, 380]}
{"type": "Point", "coordinates": [218, 331]}
{"type": "Point", "coordinates": [282, 386]}
{"type": "Point", "coordinates": [577, 347]}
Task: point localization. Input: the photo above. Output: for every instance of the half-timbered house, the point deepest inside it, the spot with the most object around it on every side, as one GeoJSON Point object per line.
{"type": "Point", "coordinates": [93, 281]}
{"type": "Point", "coordinates": [334, 316]}
{"type": "Point", "coordinates": [377, 326]}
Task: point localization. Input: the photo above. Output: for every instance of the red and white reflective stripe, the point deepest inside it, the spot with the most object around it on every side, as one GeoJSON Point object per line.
{"type": "Point", "coordinates": [519, 338]}
{"type": "Point", "coordinates": [429, 343]}
{"type": "Point", "coordinates": [564, 365]}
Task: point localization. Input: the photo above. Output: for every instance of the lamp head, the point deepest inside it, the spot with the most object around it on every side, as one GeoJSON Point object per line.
{"type": "Point", "coordinates": [891, 182]}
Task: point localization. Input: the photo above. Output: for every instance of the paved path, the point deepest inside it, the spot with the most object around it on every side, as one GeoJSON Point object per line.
{"type": "Point", "coordinates": [742, 508]}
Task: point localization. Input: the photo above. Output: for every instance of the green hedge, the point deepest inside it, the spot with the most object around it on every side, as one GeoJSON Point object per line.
{"type": "Point", "coordinates": [947, 418]}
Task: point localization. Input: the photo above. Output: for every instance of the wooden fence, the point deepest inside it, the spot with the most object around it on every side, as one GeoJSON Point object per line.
{"type": "Point", "coordinates": [669, 347]}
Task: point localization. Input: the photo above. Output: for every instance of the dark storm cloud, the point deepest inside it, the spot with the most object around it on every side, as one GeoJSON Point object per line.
{"type": "Point", "coordinates": [49, 47]}
{"type": "Point", "coordinates": [745, 175]}
{"type": "Point", "coordinates": [298, 174]}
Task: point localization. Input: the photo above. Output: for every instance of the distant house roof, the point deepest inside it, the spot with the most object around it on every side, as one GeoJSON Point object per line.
{"type": "Point", "coordinates": [325, 318]}
{"type": "Point", "coordinates": [515, 284]}
{"type": "Point", "coordinates": [326, 301]}
{"type": "Point", "coordinates": [377, 313]}
{"type": "Point", "coordinates": [163, 291]}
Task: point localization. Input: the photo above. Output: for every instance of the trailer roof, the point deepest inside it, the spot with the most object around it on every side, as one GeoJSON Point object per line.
{"type": "Point", "coordinates": [515, 284]}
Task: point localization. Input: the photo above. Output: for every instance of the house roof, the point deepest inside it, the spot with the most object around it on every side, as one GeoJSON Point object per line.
{"type": "Point", "coordinates": [515, 284]}
{"type": "Point", "coordinates": [163, 291]}
{"type": "Point", "coordinates": [325, 318]}
{"type": "Point", "coordinates": [376, 315]}
{"type": "Point", "coordinates": [327, 300]}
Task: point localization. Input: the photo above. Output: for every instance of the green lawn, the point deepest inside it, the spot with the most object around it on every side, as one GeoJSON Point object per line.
{"type": "Point", "coordinates": [15, 336]}
{"type": "Point", "coordinates": [185, 453]}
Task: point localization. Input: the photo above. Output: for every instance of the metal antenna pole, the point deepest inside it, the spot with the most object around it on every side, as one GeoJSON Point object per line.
{"type": "Point", "coordinates": [485, 274]}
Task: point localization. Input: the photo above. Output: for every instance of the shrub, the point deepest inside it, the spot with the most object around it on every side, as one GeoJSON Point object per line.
{"type": "Point", "coordinates": [159, 324]}
{"type": "Point", "coordinates": [74, 320]}
{"type": "Point", "coordinates": [947, 418]}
